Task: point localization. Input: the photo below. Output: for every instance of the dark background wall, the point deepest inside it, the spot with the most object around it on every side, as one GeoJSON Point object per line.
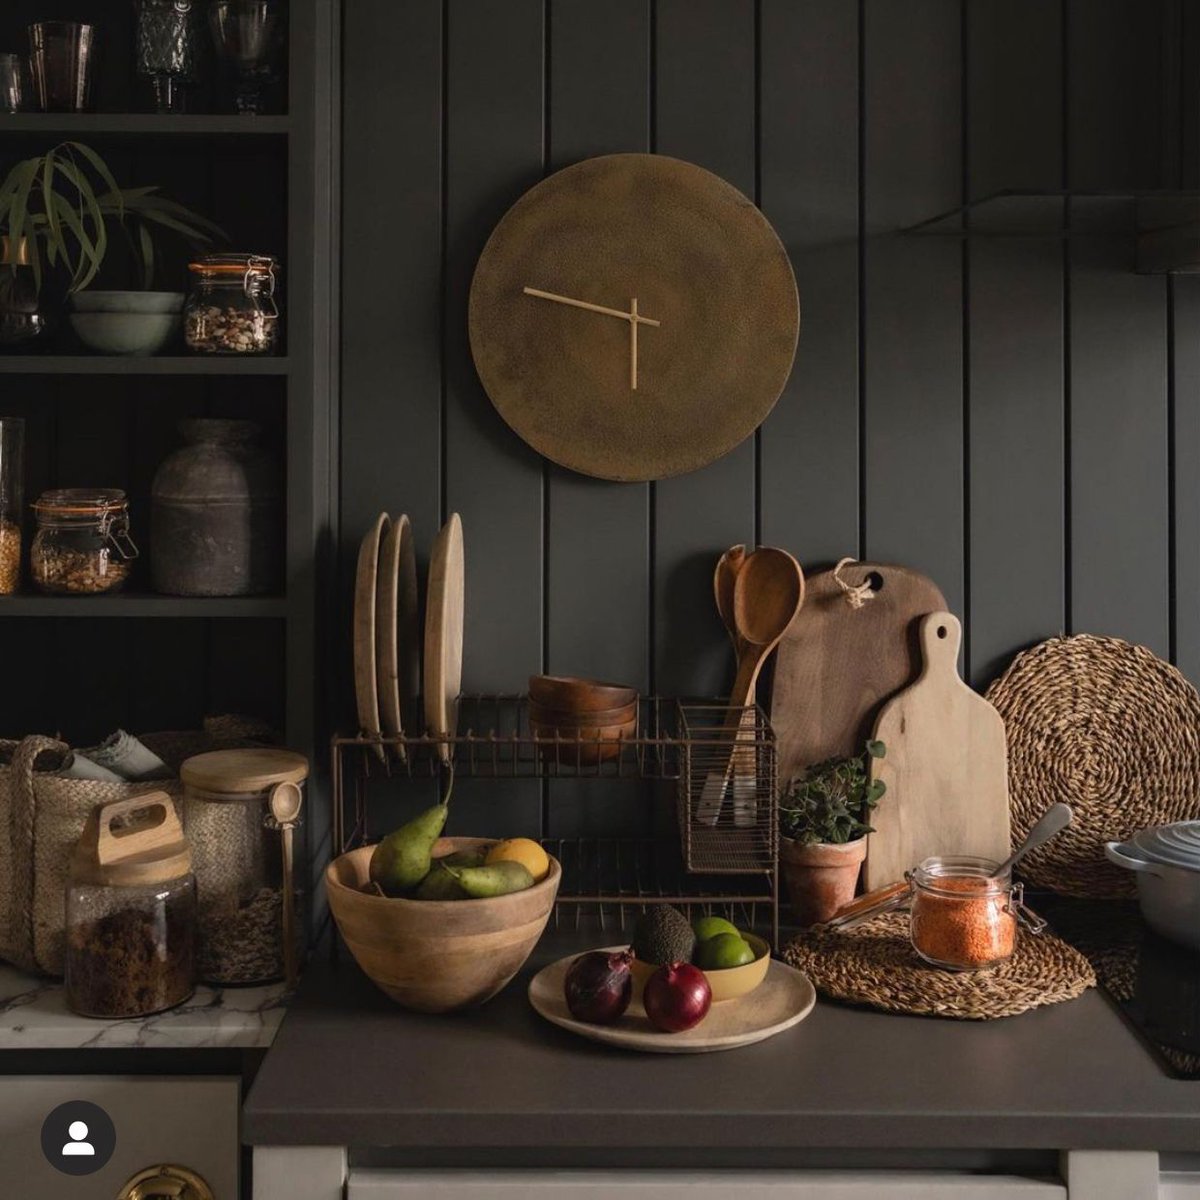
{"type": "Point", "coordinates": [1017, 416]}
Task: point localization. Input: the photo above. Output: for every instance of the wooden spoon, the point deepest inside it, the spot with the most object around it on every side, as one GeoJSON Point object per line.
{"type": "Point", "coordinates": [725, 576]}
{"type": "Point", "coordinates": [767, 595]}
{"type": "Point", "coordinates": [286, 799]}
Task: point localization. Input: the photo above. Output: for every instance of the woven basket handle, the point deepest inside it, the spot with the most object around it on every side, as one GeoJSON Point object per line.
{"type": "Point", "coordinates": [21, 819]}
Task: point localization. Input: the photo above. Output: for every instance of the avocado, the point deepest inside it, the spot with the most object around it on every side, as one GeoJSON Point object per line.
{"type": "Point", "coordinates": [663, 935]}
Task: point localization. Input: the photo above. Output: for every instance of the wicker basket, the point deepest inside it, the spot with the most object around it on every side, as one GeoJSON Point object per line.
{"type": "Point", "coordinates": [1110, 729]}
{"type": "Point", "coordinates": [42, 814]}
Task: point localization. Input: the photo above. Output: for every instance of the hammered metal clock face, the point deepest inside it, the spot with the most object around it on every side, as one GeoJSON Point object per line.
{"type": "Point", "coordinates": [633, 317]}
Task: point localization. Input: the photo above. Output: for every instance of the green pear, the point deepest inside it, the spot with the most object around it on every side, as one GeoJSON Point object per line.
{"type": "Point", "coordinates": [402, 859]}
{"type": "Point", "coordinates": [439, 884]}
{"type": "Point", "coordinates": [498, 879]}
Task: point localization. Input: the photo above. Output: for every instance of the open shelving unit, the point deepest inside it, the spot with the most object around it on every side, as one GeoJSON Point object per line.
{"type": "Point", "coordinates": [73, 667]}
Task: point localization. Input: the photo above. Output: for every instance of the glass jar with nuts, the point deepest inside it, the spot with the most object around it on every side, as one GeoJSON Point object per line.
{"type": "Point", "coordinates": [82, 545]}
{"type": "Point", "coordinates": [232, 308]}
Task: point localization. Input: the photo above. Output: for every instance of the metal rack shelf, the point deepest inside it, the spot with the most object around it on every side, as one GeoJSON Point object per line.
{"type": "Point", "coordinates": [721, 761]}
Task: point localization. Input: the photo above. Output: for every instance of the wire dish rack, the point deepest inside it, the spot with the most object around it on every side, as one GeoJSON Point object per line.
{"type": "Point", "coordinates": [721, 763]}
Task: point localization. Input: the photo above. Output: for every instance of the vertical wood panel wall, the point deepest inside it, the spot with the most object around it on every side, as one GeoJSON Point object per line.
{"type": "Point", "coordinates": [1016, 416]}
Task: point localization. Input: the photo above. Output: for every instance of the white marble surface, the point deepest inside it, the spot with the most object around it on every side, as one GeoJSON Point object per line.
{"type": "Point", "coordinates": [34, 1016]}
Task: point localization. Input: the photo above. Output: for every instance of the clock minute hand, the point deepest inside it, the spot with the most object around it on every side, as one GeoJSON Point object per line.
{"type": "Point", "coordinates": [632, 317]}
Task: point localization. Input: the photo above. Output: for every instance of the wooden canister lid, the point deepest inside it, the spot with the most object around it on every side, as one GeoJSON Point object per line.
{"type": "Point", "coordinates": [149, 849]}
{"type": "Point", "coordinates": [242, 771]}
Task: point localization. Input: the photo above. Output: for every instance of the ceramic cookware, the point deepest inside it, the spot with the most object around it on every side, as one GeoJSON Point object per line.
{"type": "Point", "coordinates": [1168, 890]}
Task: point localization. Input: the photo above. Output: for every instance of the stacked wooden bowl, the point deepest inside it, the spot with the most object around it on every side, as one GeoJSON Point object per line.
{"type": "Point", "coordinates": [582, 721]}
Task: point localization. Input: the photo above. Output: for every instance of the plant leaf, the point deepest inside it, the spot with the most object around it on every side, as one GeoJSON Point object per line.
{"type": "Point", "coordinates": [100, 167]}
{"type": "Point", "coordinates": [147, 254]}
{"type": "Point", "coordinates": [876, 748]}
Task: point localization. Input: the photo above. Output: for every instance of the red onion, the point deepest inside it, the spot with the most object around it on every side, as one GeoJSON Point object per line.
{"type": "Point", "coordinates": [677, 997]}
{"type": "Point", "coordinates": [599, 986]}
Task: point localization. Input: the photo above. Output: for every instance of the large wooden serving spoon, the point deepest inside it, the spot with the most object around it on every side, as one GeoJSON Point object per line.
{"type": "Point", "coordinates": [767, 595]}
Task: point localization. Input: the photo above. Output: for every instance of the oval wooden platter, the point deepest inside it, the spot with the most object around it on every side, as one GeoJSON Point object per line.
{"type": "Point", "coordinates": [783, 999]}
{"type": "Point", "coordinates": [444, 610]}
{"type": "Point", "coordinates": [397, 631]}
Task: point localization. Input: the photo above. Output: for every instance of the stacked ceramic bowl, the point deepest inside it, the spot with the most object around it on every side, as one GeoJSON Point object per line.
{"type": "Point", "coordinates": [581, 722]}
{"type": "Point", "coordinates": [1167, 861]}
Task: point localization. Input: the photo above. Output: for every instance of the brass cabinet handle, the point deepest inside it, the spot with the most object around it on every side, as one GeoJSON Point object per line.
{"type": "Point", "coordinates": [168, 1182]}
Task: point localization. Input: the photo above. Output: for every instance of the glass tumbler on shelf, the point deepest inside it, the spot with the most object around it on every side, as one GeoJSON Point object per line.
{"type": "Point", "coordinates": [248, 35]}
{"type": "Point", "coordinates": [14, 84]}
{"type": "Point", "coordinates": [232, 307]}
{"type": "Point", "coordinates": [12, 485]}
{"type": "Point", "coordinates": [82, 544]}
{"type": "Point", "coordinates": [62, 57]}
{"type": "Point", "coordinates": [169, 43]}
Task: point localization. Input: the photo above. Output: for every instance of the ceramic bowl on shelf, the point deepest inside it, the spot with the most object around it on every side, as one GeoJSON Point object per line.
{"type": "Point", "coordinates": [133, 323]}
{"type": "Point", "coordinates": [437, 955]}
{"type": "Point", "coordinates": [727, 984]}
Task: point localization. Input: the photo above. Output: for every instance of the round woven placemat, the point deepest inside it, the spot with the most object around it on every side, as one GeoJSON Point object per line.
{"type": "Point", "coordinates": [1113, 731]}
{"type": "Point", "coordinates": [875, 964]}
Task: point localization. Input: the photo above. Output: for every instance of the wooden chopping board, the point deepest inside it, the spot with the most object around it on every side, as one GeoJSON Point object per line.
{"type": "Point", "coordinates": [946, 767]}
{"type": "Point", "coordinates": [837, 664]}
{"type": "Point", "coordinates": [444, 612]}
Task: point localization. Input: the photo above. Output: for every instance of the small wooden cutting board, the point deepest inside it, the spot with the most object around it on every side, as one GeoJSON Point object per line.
{"type": "Point", "coordinates": [837, 664]}
{"type": "Point", "coordinates": [946, 767]}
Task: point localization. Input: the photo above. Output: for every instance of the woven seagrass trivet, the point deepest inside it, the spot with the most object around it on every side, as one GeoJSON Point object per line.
{"type": "Point", "coordinates": [1113, 731]}
{"type": "Point", "coordinates": [875, 964]}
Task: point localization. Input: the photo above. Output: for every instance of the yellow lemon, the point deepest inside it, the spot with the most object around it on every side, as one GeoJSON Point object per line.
{"type": "Point", "coordinates": [524, 851]}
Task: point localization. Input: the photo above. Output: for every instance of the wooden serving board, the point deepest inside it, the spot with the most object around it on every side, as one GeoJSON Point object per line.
{"type": "Point", "coordinates": [397, 631]}
{"type": "Point", "coordinates": [837, 664]}
{"type": "Point", "coordinates": [946, 767]}
{"type": "Point", "coordinates": [783, 999]}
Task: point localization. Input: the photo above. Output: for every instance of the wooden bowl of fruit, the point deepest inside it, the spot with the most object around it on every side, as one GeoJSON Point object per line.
{"type": "Point", "coordinates": [733, 962]}
{"type": "Point", "coordinates": [448, 940]}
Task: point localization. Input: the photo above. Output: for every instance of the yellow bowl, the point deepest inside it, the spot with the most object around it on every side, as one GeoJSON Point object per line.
{"type": "Point", "coordinates": [727, 984]}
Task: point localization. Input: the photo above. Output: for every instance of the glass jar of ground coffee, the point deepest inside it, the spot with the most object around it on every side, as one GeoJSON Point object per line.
{"type": "Point", "coordinates": [131, 911]}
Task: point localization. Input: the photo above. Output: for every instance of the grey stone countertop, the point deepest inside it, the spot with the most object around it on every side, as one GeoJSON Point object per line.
{"type": "Point", "coordinates": [351, 1068]}
{"type": "Point", "coordinates": [34, 1016]}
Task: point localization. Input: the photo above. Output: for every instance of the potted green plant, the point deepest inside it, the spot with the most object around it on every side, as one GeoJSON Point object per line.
{"type": "Point", "coordinates": [823, 823]}
{"type": "Point", "coordinates": [60, 214]}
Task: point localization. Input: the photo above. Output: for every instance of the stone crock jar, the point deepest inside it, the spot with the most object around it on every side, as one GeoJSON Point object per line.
{"type": "Point", "coordinates": [216, 514]}
{"type": "Point", "coordinates": [820, 878]}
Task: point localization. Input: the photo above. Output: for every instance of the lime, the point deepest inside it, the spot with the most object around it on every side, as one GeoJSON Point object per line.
{"type": "Point", "coordinates": [723, 951]}
{"type": "Point", "coordinates": [709, 927]}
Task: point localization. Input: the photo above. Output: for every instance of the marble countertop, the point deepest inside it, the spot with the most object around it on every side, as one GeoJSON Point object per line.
{"type": "Point", "coordinates": [34, 1016]}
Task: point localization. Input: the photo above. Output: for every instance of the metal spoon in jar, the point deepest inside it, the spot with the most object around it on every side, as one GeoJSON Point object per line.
{"type": "Point", "coordinates": [1054, 820]}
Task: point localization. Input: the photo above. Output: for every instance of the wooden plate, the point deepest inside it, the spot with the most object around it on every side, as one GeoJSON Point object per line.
{"type": "Point", "coordinates": [365, 692]}
{"type": "Point", "coordinates": [783, 999]}
{"type": "Point", "coordinates": [397, 632]}
{"type": "Point", "coordinates": [444, 633]}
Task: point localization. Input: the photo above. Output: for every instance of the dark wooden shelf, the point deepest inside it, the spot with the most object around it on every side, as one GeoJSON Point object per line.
{"type": "Point", "coordinates": [119, 364]}
{"type": "Point", "coordinates": [135, 604]}
{"type": "Point", "coordinates": [70, 124]}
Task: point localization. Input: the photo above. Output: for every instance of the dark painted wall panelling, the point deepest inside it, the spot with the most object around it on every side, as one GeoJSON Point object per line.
{"type": "Point", "coordinates": [1019, 417]}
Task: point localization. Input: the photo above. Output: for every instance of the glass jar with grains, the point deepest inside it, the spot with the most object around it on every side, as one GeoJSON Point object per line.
{"type": "Point", "coordinates": [82, 544]}
{"type": "Point", "coordinates": [131, 911]}
{"type": "Point", "coordinates": [963, 911]}
{"type": "Point", "coordinates": [232, 308]}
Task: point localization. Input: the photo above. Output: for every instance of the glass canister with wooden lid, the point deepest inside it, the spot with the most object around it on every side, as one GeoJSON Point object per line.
{"type": "Point", "coordinates": [131, 911]}
{"type": "Point", "coordinates": [239, 810]}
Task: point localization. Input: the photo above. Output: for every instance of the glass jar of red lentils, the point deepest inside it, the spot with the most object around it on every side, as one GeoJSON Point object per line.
{"type": "Point", "coordinates": [963, 913]}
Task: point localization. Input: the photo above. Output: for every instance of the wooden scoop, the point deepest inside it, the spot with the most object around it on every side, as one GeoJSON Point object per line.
{"type": "Point", "coordinates": [767, 594]}
{"type": "Point", "coordinates": [729, 566]}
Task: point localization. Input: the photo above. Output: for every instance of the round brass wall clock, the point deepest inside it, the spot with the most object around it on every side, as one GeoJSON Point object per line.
{"type": "Point", "coordinates": [633, 317]}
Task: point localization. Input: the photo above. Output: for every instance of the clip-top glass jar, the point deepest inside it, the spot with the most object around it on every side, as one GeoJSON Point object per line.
{"type": "Point", "coordinates": [239, 810]}
{"type": "Point", "coordinates": [963, 911]}
{"type": "Point", "coordinates": [131, 911]}
{"type": "Point", "coordinates": [232, 307]}
{"type": "Point", "coordinates": [82, 544]}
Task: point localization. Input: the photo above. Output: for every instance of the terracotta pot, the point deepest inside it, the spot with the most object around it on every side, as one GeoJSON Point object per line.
{"type": "Point", "coordinates": [820, 878]}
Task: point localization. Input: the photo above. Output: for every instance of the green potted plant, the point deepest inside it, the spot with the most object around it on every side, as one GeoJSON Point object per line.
{"type": "Point", "coordinates": [60, 214]}
{"type": "Point", "coordinates": [823, 823]}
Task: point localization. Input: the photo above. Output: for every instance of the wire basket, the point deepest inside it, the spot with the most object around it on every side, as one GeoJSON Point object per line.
{"type": "Point", "coordinates": [728, 784]}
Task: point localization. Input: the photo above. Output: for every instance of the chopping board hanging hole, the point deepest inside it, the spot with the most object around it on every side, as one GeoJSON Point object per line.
{"type": "Point", "coordinates": [946, 767]}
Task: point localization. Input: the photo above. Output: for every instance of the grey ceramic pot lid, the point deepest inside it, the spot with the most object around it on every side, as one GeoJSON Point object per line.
{"type": "Point", "coordinates": [1177, 845]}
